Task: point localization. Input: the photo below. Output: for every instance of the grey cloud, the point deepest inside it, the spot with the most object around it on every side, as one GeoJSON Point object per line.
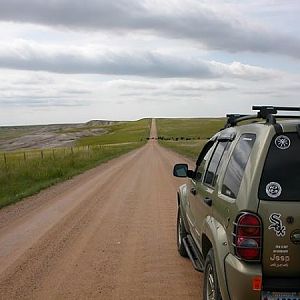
{"type": "Point", "coordinates": [170, 87]}
{"type": "Point", "coordinates": [33, 101]}
{"type": "Point", "coordinates": [91, 14]}
{"type": "Point", "coordinates": [76, 92]}
{"type": "Point", "coordinates": [279, 88]}
{"type": "Point", "coordinates": [202, 86]}
{"type": "Point", "coordinates": [157, 96]}
{"type": "Point", "coordinates": [132, 94]}
{"type": "Point", "coordinates": [39, 92]}
{"type": "Point", "coordinates": [193, 21]}
{"type": "Point", "coordinates": [34, 79]}
{"type": "Point", "coordinates": [130, 84]}
{"type": "Point", "coordinates": [177, 94]}
{"type": "Point", "coordinates": [259, 92]}
{"type": "Point", "coordinates": [292, 87]}
{"type": "Point", "coordinates": [31, 56]}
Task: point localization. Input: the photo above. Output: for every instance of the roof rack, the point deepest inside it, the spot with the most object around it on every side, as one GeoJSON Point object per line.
{"type": "Point", "coordinates": [264, 112]}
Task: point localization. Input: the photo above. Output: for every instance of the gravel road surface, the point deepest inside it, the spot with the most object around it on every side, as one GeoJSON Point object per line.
{"type": "Point", "coordinates": [109, 233]}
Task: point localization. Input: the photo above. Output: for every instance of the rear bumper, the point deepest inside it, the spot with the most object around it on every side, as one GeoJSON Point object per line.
{"type": "Point", "coordinates": [239, 277]}
{"type": "Point", "coordinates": [282, 284]}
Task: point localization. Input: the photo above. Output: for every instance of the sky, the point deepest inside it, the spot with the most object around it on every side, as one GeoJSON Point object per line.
{"type": "Point", "coordinates": [70, 61]}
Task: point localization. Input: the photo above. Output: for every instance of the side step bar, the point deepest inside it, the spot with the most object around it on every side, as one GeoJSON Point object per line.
{"type": "Point", "coordinates": [193, 253]}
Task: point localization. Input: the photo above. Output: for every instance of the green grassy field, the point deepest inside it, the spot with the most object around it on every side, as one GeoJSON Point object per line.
{"type": "Point", "coordinates": [124, 132]}
{"type": "Point", "coordinates": [187, 136]}
{"type": "Point", "coordinates": [23, 173]}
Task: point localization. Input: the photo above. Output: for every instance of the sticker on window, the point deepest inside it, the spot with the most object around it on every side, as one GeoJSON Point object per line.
{"type": "Point", "coordinates": [282, 142]}
{"type": "Point", "coordinates": [273, 189]}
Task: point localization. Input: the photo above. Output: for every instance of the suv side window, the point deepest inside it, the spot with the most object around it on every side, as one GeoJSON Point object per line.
{"type": "Point", "coordinates": [212, 170]}
{"type": "Point", "coordinates": [203, 157]}
{"type": "Point", "coordinates": [237, 165]}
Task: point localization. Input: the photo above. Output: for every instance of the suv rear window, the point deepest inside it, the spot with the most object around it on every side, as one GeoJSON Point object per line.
{"type": "Point", "coordinates": [281, 174]}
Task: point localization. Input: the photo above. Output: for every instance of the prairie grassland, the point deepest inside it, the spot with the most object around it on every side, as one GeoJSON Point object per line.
{"type": "Point", "coordinates": [189, 149]}
{"type": "Point", "coordinates": [187, 136]}
{"type": "Point", "coordinates": [23, 173]}
{"type": "Point", "coordinates": [123, 132]}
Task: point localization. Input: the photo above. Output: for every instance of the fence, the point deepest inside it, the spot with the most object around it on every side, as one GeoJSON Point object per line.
{"type": "Point", "coordinates": [26, 172]}
{"type": "Point", "coordinates": [21, 157]}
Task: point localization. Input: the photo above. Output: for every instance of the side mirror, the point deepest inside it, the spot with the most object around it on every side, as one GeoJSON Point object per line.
{"type": "Point", "coordinates": [182, 170]}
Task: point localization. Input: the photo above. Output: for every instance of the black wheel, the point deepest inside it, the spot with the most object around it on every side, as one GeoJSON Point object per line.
{"type": "Point", "coordinates": [181, 233]}
{"type": "Point", "coordinates": [211, 290]}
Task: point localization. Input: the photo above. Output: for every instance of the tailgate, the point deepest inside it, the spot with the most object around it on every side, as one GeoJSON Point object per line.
{"type": "Point", "coordinates": [279, 206]}
{"type": "Point", "coordinates": [281, 238]}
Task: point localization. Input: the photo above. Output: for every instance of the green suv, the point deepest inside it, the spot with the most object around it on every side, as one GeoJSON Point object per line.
{"type": "Point", "coordinates": [239, 212]}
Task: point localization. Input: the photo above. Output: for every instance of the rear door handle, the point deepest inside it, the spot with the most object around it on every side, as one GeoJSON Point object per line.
{"type": "Point", "coordinates": [193, 191]}
{"type": "Point", "coordinates": [208, 201]}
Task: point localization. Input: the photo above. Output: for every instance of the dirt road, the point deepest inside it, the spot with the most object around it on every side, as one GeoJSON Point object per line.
{"type": "Point", "coordinates": [109, 233]}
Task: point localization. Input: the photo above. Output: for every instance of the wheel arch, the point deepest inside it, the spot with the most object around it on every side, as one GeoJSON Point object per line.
{"type": "Point", "coordinates": [182, 204]}
{"type": "Point", "coordinates": [206, 245]}
{"type": "Point", "coordinates": [215, 237]}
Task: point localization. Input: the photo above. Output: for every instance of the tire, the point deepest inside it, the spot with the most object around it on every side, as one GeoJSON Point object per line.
{"type": "Point", "coordinates": [211, 290]}
{"type": "Point", "coordinates": [181, 234]}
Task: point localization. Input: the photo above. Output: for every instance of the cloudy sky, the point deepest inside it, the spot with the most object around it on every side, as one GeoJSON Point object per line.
{"type": "Point", "coordinates": [68, 61]}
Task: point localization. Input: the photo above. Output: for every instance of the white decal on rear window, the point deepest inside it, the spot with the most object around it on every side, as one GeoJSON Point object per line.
{"type": "Point", "coordinates": [276, 224]}
{"type": "Point", "coordinates": [282, 142]}
{"type": "Point", "coordinates": [273, 189]}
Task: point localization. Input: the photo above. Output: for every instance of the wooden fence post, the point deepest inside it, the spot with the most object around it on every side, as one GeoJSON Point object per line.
{"type": "Point", "coordinates": [24, 155]}
{"type": "Point", "coordinates": [5, 160]}
{"type": "Point", "coordinates": [42, 154]}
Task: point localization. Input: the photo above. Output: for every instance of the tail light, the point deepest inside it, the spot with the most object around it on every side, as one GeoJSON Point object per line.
{"type": "Point", "coordinates": [247, 237]}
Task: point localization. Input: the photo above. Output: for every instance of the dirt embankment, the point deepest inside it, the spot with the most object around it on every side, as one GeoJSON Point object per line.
{"type": "Point", "coordinates": [109, 233]}
{"type": "Point", "coordinates": [49, 136]}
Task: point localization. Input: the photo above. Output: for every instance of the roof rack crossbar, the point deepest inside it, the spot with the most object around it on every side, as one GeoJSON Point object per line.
{"type": "Point", "coordinates": [233, 119]}
{"type": "Point", "coordinates": [287, 117]}
{"type": "Point", "coordinates": [283, 108]}
{"type": "Point", "coordinates": [264, 112]}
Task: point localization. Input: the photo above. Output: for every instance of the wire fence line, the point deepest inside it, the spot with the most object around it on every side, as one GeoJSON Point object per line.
{"type": "Point", "coordinates": [22, 175]}
{"type": "Point", "coordinates": [9, 158]}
